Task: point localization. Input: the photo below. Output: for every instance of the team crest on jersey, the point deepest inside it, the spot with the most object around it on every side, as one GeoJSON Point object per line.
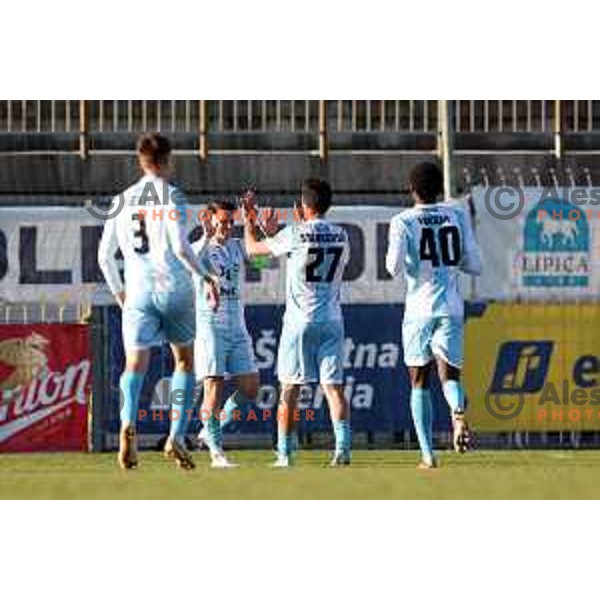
{"type": "Point", "coordinates": [227, 267]}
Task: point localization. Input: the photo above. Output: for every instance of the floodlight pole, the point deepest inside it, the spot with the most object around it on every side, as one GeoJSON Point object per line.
{"type": "Point", "coordinates": [446, 144]}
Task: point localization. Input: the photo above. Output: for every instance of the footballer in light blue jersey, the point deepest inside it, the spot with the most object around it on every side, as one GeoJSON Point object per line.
{"type": "Point", "coordinates": [223, 345]}
{"type": "Point", "coordinates": [312, 337]}
{"type": "Point", "coordinates": [157, 296]}
{"type": "Point", "coordinates": [430, 244]}
{"type": "Point", "coordinates": [317, 252]}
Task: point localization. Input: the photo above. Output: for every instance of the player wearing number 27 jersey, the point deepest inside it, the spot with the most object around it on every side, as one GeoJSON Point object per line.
{"type": "Point", "coordinates": [312, 337]}
{"type": "Point", "coordinates": [310, 350]}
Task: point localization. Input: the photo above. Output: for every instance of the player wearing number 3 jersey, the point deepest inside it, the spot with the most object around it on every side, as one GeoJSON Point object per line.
{"type": "Point", "coordinates": [158, 296]}
{"type": "Point", "coordinates": [430, 244]}
{"type": "Point", "coordinates": [312, 338]}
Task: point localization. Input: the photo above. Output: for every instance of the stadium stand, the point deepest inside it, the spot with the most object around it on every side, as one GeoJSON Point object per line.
{"type": "Point", "coordinates": [67, 149]}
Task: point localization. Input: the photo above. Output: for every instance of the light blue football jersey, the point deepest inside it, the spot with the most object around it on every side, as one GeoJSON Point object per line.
{"type": "Point", "coordinates": [149, 230]}
{"type": "Point", "coordinates": [227, 262]}
{"type": "Point", "coordinates": [431, 244]}
{"type": "Point", "coordinates": [317, 252]}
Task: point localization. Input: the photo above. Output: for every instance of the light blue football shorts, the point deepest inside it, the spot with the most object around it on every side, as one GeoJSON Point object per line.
{"type": "Point", "coordinates": [223, 351]}
{"type": "Point", "coordinates": [426, 337]}
{"type": "Point", "coordinates": [311, 353]}
{"type": "Point", "coordinates": [152, 318]}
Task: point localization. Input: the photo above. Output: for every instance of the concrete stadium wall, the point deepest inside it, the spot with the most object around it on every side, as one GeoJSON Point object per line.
{"type": "Point", "coordinates": [64, 178]}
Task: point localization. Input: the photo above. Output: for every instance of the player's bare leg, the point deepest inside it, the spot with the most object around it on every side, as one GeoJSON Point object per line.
{"type": "Point", "coordinates": [339, 411]}
{"type": "Point", "coordinates": [136, 365]}
{"type": "Point", "coordinates": [211, 415]}
{"type": "Point", "coordinates": [182, 389]}
{"type": "Point", "coordinates": [286, 424]}
{"type": "Point", "coordinates": [420, 403]}
{"type": "Point", "coordinates": [247, 385]}
{"type": "Point", "coordinates": [211, 399]}
{"type": "Point", "coordinates": [246, 391]}
{"type": "Point", "coordinates": [450, 378]}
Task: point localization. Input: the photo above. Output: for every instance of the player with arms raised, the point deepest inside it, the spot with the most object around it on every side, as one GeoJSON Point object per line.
{"type": "Point", "coordinates": [431, 243]}
{"type": "Point", "coordinates": [157, 297]}
{"type": "Point", "coordinates": [312, 338]}
{"type": "Point", "coordinates": [223, 344]}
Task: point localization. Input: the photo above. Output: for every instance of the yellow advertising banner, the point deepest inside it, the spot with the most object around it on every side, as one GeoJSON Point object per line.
{"type": "Point", "coordinates": [533, 367]}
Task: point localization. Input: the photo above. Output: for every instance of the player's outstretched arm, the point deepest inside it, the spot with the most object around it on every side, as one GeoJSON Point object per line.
{"type": "Point", "coordinates": [107, 250]}
{"type": "Point", "coordinates": [254, 246]}
{"type": "Point", "coordinates": [178, 237]}
{"type": "Point", "coordinates": [394, 258]}
{"type": "Point", "coordinates": [208, 232]}
{"type": "Point", "coordinates": [180, 244]}
{"type": "Point", "coordinates": [200, 246]}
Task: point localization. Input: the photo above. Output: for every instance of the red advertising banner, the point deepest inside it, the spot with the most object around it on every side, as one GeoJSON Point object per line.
{"type": "Point", "coordinates": [45, 383]}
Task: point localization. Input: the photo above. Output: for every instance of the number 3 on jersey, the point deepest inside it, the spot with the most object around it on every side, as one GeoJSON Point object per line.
{"type": "Point", "coordinates": [140, 237]}
{"type": "Point", "coordinates": [443, 248]}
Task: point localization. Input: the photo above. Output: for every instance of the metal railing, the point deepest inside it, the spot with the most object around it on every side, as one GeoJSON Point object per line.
{"type": "Point", "coordinates": [323, 121]}
{"type": "Point", "coordinates": [45, 312]}
{"type": "Point", "coordinates": [503, 116]}
{"type": "Point", "coordinates": [222, 116]}
{"type": "Point", "coordinates": [39, 116]}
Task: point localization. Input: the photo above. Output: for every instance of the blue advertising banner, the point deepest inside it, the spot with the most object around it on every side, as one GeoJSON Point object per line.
{"type": "Point", "coordinates": [376, 381]}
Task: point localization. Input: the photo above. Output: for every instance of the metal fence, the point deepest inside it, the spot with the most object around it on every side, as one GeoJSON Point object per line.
{"type": "Point", "coordinates": [221, 116]}
{"type": "Point", "coordinates": [212, 122]}
{"type": "Point", "coordinates": [527, 116]}
{"type": "Point", "coordinates": [42, 312]}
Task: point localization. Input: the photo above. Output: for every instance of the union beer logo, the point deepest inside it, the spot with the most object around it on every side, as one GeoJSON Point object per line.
{"type": "Point", "coordinates": [22, 360]}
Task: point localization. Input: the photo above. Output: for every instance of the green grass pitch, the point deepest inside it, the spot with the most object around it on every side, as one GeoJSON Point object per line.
{"type": "Point", "coordinates": [374, 474]}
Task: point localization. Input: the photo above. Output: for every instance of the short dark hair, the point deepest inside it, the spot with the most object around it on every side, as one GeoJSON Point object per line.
{"type": "Point", "coordinates": [317, 194]}
{"type": "Point", "coordinates": [216, 205]}
{"type": "Point", "coordinates": [154, 148]}
{"type": "Point", "coordinates": [427, 181]}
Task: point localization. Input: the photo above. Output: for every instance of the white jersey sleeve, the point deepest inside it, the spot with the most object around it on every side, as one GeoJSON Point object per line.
{"type": "Point", "coordinates": [471, 258]}
{"type": "Point", "coordinates": [284, 242]}
{"type": "Point", "coordinates": [200, 245]}
{"type": "Point", "coordinates": [109, 245]}
{"type": "Point", "coordinates": [396, 252]}
{"type": "Point", "coordinates": [177, 232]}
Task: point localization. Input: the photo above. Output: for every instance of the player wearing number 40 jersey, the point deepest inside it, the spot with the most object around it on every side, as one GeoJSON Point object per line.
{"type": "Point", "coordinates": [431, 243]}
{"type": "Point", "coordinates": [312, 338]}
{"type": "Point", "coordinates": [158, 297]}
